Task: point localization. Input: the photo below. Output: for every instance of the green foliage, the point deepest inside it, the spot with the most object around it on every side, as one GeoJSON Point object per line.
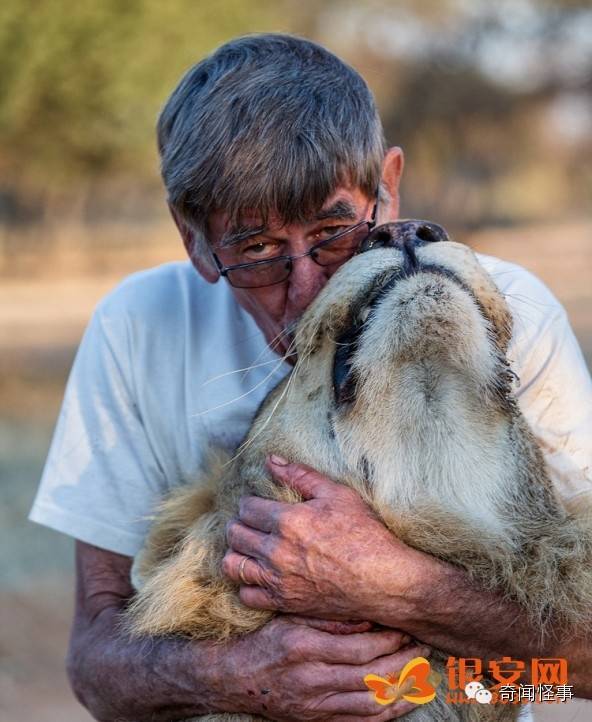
{"type": "Point", "coordinates": [82, 82]}
{"type": "Point", "coordinates": [472, 91]}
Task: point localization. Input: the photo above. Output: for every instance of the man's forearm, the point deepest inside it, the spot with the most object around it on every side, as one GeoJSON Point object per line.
{"type": "Point", "coordinates": [578, 653]}
{"type": "Point", "coordinates": [332, 557]}
{"type": "Point", "coordinates": [274, 670]}
{"type": "Point", "coordinates": [449, 612]}
{"type": "Point", "coordinates": [116, 677]}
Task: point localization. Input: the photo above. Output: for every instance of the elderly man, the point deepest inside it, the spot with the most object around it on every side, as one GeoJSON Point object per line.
{"type": "Point", "coordinates": [270, 147]}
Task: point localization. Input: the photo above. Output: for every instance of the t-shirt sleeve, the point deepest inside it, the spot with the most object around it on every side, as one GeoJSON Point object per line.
{"type": "Point", "coordinates": [555, 392]}
{"type": "Point", "coordinates": [102, 478]}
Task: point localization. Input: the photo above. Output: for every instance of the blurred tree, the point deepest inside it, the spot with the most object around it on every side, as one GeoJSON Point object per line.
{"type": "Point", "coordinates": [492, 102]}
{"type": "Point", "coordinates": [82, 82]}
{"type": "Point", "coordinates": [471, 89]}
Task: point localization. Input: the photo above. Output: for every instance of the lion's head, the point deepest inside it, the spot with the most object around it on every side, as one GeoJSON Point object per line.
{"type": "Point", "coordinates": [402, 379]}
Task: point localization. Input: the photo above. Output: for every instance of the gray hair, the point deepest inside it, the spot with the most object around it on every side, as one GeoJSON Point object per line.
{"type": "Point", "coordinates": [272, 123]}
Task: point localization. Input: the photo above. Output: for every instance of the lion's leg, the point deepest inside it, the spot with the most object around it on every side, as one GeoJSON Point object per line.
{"type": "Point", "coordinates": [188, 594]}
{"type": "Point", "coordinates": [175, 518]}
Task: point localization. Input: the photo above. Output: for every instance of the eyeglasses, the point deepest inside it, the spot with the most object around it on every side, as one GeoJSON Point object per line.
{"type": "Point", "coordinates": [331, 251]}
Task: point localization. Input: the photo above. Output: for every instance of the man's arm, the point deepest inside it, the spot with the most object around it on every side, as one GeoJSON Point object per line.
{"type": "Point", "coordinates": [119, 678]}
{"type": "Point", "coordinates": [332, 557]}
{"type": "Point", "coordinates": [291, 669]}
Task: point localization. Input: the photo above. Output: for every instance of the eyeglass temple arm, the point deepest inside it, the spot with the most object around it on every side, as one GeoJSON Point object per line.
{"type": "Point", "coordinates": [375, 209]}
{"type": "Point", "coordinates": [219, 266]}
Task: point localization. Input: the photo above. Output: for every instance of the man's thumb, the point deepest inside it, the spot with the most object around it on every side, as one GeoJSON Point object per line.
{"type": "Point", "coordinates": [306, 481]}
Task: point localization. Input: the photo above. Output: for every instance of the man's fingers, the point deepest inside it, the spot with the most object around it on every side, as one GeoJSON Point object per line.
{"type": "Point", "coordinates": [357, 649]}
{"type": "Point", "coordinates": [243, 569]}
{"type": "Point", "coordinates": [245, 540]}
{"type": "Point", "coordinates": [308, 482]}
{"type": "Point", "coordinates": [257, 597]}
{"type": "Point", "coordinates": [334, 626]}
{"type": "Point", "coordinates": [350, 678]}
{"type": "Point", "coordinates": [389, 712]}
{"type": "Point", "coordinates": [353, 705]}
{"type": "Point", "coordinates": [259, 513]}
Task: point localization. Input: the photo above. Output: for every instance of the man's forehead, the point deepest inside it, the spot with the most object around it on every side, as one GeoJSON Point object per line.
{"type": "Point", "coordinates": [342, 204]}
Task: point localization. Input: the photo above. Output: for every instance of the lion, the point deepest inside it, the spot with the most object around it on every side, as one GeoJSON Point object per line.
{"type": "Point", "coordinates": [401, 362]}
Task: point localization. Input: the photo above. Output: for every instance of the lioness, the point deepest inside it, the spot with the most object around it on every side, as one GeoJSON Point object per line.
{"type": "Point", "coordinates": [402, 391]}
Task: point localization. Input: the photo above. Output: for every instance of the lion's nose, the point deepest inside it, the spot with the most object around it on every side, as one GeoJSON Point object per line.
{"type": "Point", "coordinates": [405, 235]}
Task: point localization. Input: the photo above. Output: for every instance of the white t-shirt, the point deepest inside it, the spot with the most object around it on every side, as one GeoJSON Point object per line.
{"type": "Point", "coordinates": [157, 381]}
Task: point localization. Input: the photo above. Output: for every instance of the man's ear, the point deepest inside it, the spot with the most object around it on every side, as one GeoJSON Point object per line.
{"type": "Point", "coordinates": [203, 265]}
{"type": "Point", "coordinates": [392, 170]}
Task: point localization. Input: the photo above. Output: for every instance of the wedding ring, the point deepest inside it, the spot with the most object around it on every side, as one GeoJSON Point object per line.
{"type": "Point", "coordinates": [241, 570]}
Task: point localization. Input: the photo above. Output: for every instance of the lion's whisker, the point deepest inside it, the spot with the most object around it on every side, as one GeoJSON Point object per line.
{"type": "Point", "coordinates": [238, 371]}
{"type": "Point", "coordinates": [242, 396]}
{"type": "Point", "coordinates": [528, 301]}
{"type": "Point", "coordinates": [279, 336]}
{"type": "Point", "coordinates": [244, 446]}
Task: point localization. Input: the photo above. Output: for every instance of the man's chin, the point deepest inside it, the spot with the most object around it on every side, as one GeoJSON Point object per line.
{"type": "Point", "coordinates": [283, 345]}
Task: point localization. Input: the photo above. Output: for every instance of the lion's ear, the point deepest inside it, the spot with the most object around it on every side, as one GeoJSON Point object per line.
{"type": "Point", "coordinates": [498, 313]}
{"type": "Point", "coordinates": [504, 325]}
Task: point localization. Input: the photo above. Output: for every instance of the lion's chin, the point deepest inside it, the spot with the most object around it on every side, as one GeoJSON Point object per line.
{"type": "Point", "coordinates": [424, 318]}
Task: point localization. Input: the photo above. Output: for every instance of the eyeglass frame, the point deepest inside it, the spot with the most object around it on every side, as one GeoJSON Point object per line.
{"type": "Point", "coordinates": [223, 270]}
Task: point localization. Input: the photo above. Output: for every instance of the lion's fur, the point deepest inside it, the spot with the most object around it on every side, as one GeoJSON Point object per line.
{"type": "Point", "coordinates": [433, 441]}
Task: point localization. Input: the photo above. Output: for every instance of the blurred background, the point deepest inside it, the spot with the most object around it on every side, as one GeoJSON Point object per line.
{"type": "Point", "coordinates": [492, 103]}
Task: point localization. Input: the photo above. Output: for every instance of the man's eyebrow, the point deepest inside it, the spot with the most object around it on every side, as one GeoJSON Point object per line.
{"type": "Point", "coordinates": [340, 209]}
{"type": "Point", "coordinates": [238, 234]}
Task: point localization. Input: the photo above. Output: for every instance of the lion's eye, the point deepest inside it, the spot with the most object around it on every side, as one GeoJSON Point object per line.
{"type": "Point", "coordinates": [363, 315]}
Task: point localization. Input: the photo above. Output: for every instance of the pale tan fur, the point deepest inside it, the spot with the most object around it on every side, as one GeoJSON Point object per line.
{"type": "Point", "coordinates": [433, 441]}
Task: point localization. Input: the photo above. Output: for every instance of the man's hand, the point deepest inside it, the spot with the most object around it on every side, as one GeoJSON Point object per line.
{"type": "Point", "coordinates": [330, 557]}
{"type": "Point", "coordinates": [291, 669]}
{"type": "Point", "coordinates": [325, 557]}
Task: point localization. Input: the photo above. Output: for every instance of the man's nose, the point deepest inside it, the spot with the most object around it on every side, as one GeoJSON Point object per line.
{"type": "Point", "coordinates": [306, 280]}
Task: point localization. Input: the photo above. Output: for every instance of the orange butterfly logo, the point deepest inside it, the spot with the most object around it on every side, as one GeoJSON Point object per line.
{"type": "Point", "coordinates": [415, 683]}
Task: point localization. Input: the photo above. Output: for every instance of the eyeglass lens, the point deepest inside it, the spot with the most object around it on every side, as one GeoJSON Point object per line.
{"type": "Point", "coordinates": [333, 251]}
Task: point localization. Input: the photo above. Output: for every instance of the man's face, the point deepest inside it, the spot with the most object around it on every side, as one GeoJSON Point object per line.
{"type": "Point", "coordinates": [276, 308]}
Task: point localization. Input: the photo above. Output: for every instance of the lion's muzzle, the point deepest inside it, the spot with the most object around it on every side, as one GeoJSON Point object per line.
{"type": "Point", "coordinates": [406, 236]}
